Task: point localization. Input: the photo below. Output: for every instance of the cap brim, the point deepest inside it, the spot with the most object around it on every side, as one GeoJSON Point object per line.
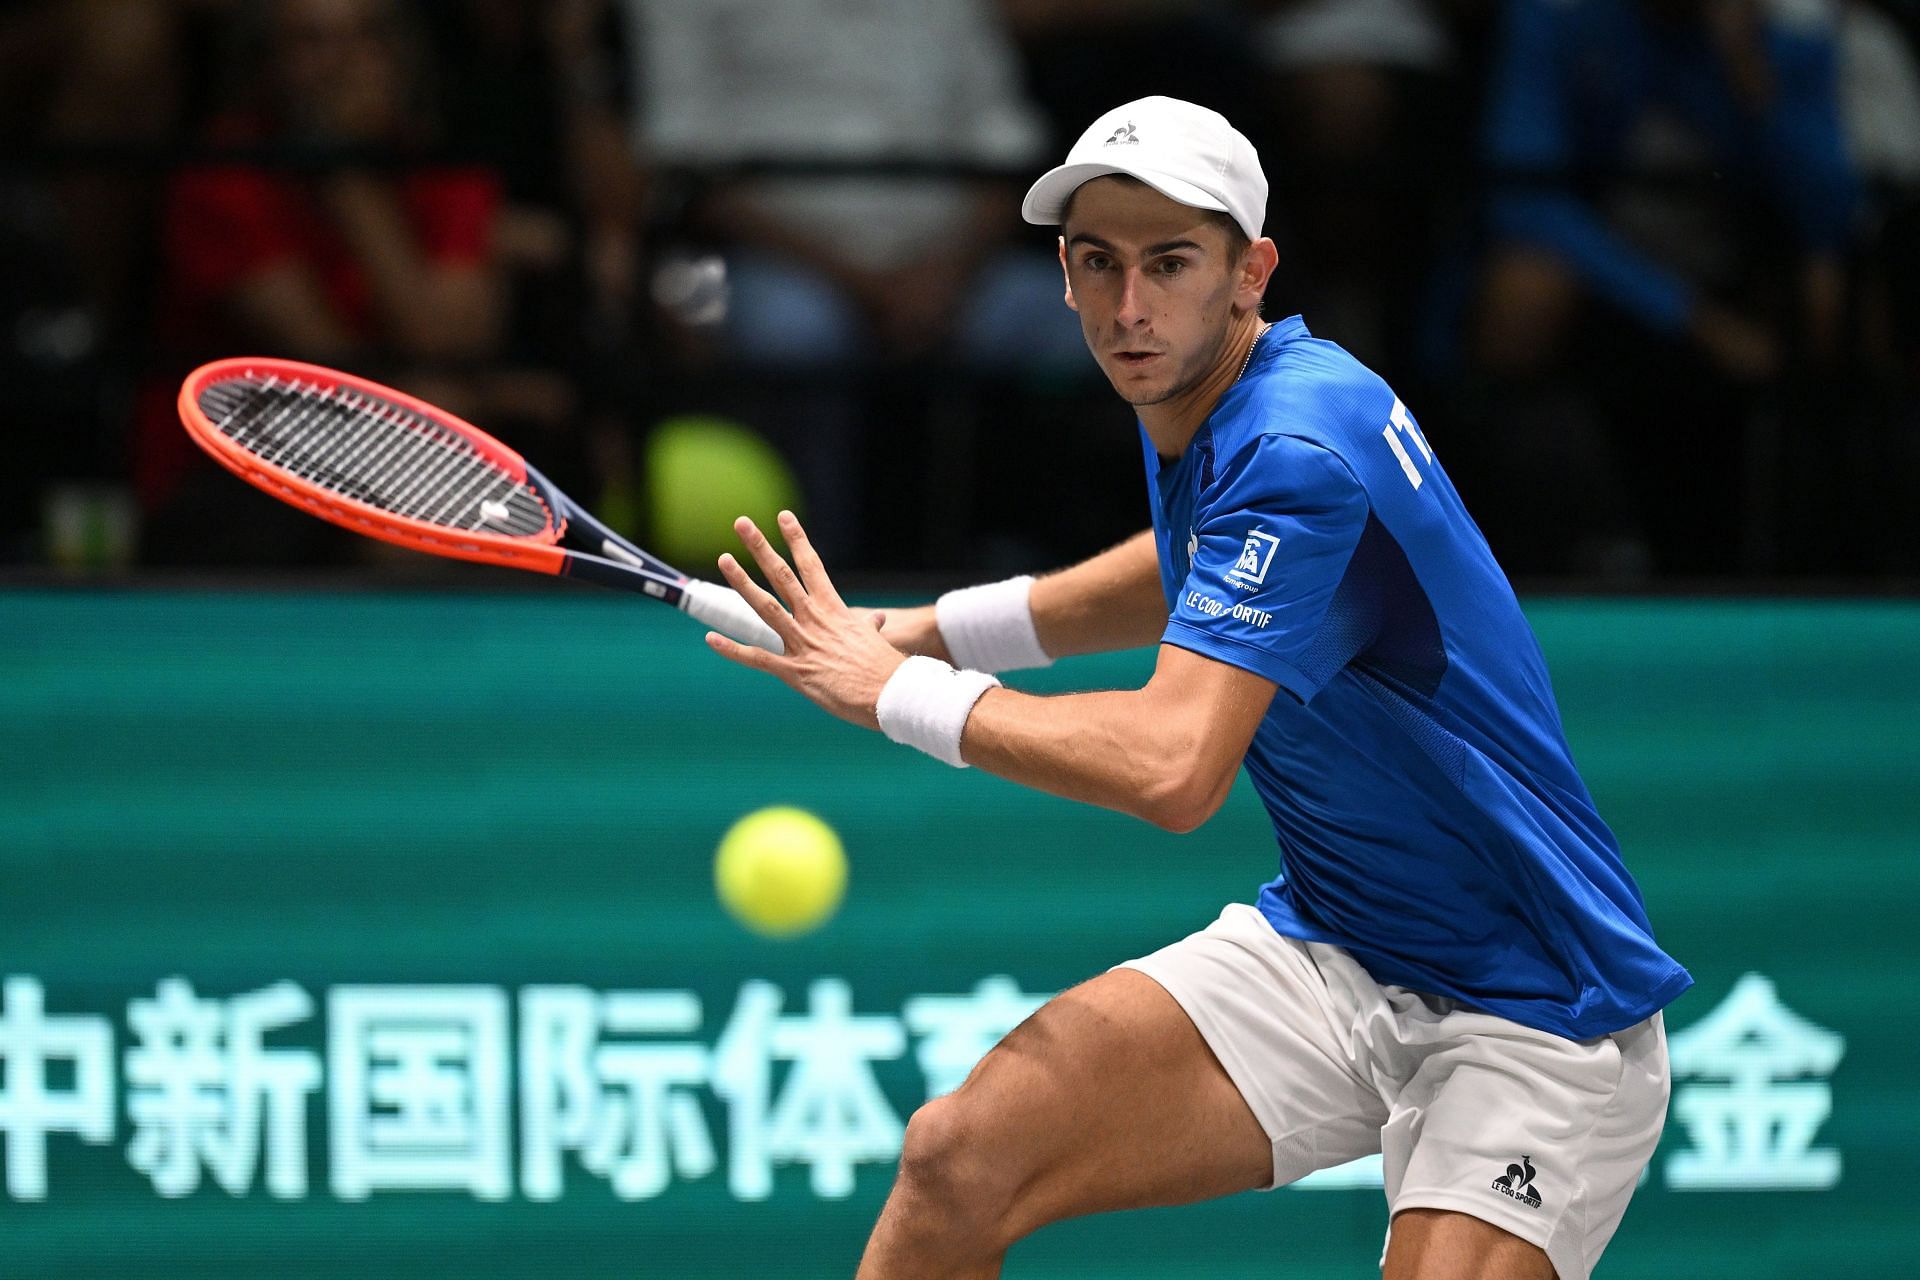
{"type": "Point", "coordinates": [1047, 199]}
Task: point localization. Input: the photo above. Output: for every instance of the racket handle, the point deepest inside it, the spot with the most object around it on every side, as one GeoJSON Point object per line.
{"type": "Point", "coordinates": [722, 609]}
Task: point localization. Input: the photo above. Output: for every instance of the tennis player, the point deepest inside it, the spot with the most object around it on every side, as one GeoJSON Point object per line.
{"type": "Point", "coordinates": [1454, 968]}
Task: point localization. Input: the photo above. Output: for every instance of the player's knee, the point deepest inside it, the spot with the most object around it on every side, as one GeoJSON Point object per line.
{"type": "Point", "coordinates": [950, 1162]}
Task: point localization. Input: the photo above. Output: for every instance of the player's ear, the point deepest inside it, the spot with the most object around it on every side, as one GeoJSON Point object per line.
{"type": "Point", "coordinates": [1258, 262]}
{"type": "Point", "coordinates": [1071, 304]}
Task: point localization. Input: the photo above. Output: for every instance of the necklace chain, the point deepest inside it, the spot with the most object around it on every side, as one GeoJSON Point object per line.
{"type": "Point", "coordinates": [1253, 346]}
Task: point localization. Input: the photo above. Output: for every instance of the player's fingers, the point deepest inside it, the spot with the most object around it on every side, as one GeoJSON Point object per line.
{"type": "Point", "coordinates": [758, 599]}
{"type": "Point", "coordinates": [779, 573]}
{"type": "Point", "coordinates": [879, 619]}
{"type": "Point", "coordinates": [747, 655]}
{"type": "Point", "coordinates": [806, 560]}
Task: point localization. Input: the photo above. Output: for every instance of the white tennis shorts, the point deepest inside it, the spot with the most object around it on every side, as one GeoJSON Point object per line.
{"type": "Point", "coordinates": [1542, 1136]}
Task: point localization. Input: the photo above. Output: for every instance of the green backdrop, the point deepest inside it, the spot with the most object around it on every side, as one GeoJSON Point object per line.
{"type": "Point", "coordinates": [357, 934]}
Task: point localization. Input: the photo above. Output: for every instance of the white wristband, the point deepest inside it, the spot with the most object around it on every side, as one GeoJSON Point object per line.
{"type": "Point", "coordinates": [925, 704]}
{"type": "Point", "coordinates": [990, 628]}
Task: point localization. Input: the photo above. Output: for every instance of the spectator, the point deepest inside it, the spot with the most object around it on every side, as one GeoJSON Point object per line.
{"type": "Point", "coordinates": [1366, 109]}
{"type": "Point", "coordinates": [1732, 106]}
{"type": "Point", "coordinates": [826, 265]}
{"type": "Point", "coordinates": [1083, 56]}
{"type": "Point", "coordinates": [836, 270]}
{"type": "Point", "coordinates": [326, 265]}
{"type": "Point", "coordinates": [1880, 93]}
{"type": "Point", "coordinates": [389, 268]}
{"type": "Point", "coordinates": [90, 84]}
{"type": "Point", "coordinates": [117, 85]}
{"type": "Point", "coordinates": [526, 87]}
{"type": "Point", "coordinates": [1846, 508]}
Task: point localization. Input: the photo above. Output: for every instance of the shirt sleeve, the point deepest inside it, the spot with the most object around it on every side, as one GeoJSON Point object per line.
{"type": "Point", "coordinates": [1273, 536]}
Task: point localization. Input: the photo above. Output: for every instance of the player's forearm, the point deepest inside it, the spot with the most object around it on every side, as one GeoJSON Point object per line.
{"type": "Point", "coordinates": [1166, 752]}
{"type": "Point", "coordinates": [1111, 601]}
{"type": "Point", "coordinates": [1118, 750]}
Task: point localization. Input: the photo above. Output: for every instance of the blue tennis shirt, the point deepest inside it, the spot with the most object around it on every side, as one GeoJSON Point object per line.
{"type": "Point", "coordinates": [1430, 818]}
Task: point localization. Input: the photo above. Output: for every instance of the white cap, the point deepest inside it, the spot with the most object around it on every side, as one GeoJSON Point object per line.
{"type": "Point", "coordinates": [1185, 152]}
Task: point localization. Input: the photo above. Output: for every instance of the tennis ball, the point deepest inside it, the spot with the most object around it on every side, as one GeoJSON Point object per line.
{"type": "Point", "coordinates": [703, 471]}
{"type": "Point", "coordinates": [780, 871]}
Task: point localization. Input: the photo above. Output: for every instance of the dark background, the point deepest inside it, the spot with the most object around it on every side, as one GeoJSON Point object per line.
{"type": "Point", "coordinates": [559, 270]}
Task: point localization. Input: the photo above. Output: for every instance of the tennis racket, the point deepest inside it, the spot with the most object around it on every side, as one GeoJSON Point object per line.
{"type": "Point", "coordinates": [381, 463]}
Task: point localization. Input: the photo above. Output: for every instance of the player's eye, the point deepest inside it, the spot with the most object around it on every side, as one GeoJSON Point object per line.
{"type": "Point", "coordinates": [1170, 266]}
{"type": "Point", "coordinates": [1096, 262]}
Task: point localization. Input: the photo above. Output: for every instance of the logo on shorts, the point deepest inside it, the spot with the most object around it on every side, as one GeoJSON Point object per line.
{"type": "Point", "coordinates": [1517, 1183]}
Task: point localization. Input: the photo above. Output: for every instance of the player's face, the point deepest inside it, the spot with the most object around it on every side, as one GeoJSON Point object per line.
{"type": "Point", "coordinates": [1154, 282]}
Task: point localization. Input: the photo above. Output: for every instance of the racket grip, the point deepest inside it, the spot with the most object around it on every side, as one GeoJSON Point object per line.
{"type": "Point", "coordinates": [722, 609]}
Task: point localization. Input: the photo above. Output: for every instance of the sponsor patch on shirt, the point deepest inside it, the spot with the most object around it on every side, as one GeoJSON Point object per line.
{"type": "Point", "coordinates": [1250, 570]}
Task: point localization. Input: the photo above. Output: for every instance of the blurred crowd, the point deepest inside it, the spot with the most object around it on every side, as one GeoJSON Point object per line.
{"type": "Point", "coordinates": [1647, 270]}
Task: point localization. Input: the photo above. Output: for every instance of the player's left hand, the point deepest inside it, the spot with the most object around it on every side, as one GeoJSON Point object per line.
{"type": "Point", "coordinates": [835, 655]}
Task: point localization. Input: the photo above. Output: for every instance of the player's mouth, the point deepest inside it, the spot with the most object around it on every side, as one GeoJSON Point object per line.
{"type": "Point", "coordinates": [1136, 359]}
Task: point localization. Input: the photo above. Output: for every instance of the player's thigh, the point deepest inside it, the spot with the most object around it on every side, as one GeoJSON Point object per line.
{"type": "Point", "coordinates": [1436, 1244]}
{"type": "Point", "coordinates": [1107, 1098]}
{"type": "Point", "coordinates": [1542, 1137]}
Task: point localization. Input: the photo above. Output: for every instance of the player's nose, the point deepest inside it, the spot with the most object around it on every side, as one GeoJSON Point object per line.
{"type": "Point", "coordinates": [1132, 310]}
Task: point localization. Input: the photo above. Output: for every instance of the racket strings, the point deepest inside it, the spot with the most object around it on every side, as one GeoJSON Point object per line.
{"type": "Point", "coordinates": [377, 457]}
{"type": "Point", "coordinates": [362, 447]}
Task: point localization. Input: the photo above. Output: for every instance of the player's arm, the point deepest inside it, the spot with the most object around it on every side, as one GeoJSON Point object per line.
{"type": "Point", "coordinates": [1166, 752]}
{"type": "Point", "coordinates": [1111, 601]}
{"type": "Point", "coordinates": [1107, 602]}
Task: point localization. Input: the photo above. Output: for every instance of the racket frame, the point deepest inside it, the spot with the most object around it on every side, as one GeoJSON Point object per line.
{"type": "Point", "coordinates": [614, 561]}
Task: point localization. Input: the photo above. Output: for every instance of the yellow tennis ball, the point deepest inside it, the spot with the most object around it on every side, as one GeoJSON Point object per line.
{"type": "Point", "coordinates": [701, 472]}
{"type": "Point", "coordinates": [780, 871]}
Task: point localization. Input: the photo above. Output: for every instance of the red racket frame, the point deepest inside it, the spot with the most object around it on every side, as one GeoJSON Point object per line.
{"type": "Point", "coordinates": [539, 552]}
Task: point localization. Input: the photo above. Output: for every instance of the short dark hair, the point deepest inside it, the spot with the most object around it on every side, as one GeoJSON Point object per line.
{"type": "Point", "coordinates": [1237, 239]}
